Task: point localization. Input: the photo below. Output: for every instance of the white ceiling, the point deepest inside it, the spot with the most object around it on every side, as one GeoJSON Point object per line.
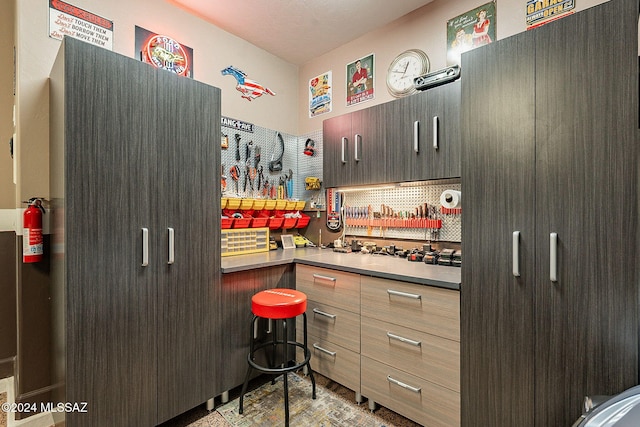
{"type": "Point", "coordinates": [299, 30]}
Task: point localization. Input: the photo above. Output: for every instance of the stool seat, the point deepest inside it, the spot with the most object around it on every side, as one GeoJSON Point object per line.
{"type": "Point", "coordinates": [278, 303]}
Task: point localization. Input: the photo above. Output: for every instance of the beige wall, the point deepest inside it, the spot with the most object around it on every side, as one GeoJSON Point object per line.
{"type": "Point", "coordinates": [7, 188]}
{"type": "Point", "coordinates": [214, 50]}
{"type": "Point", "coordinates": [423, 29]}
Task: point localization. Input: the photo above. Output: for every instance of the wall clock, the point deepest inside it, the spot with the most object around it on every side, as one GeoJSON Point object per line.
{"type": "Point", "coordinates": [403, 69]}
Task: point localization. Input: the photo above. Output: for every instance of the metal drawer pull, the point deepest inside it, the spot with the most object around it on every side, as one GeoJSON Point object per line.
{"type": "Point", "coordinates": [171, 258]}
{"type": "Point", "coordinates": [358, 142]}
{"type": "Point", "coordinates": [416, 136]}
{"type": "Point", "coordinates": [326, 278]}
{"type": "Point", "coordinates": [324, 350]}
{"type": "Point", "coordinates": [145, 247]}
{"type": "Point", "coordinates": [435, 132]}
{"type": "Point", "coordinates": [403, 294]}
{"type": "Point", "coordinates": [553, 257]}
{"type": "Point", "coordinates": [404, 340]}
{"type": "Point", "coordinates": [344, 143]}
{"type": "Point", "coordinates": [322, 313]}
{"type": "Point", "coordinates": [403, 385]}
{"type": "Point", "coordinates": [516, 253]}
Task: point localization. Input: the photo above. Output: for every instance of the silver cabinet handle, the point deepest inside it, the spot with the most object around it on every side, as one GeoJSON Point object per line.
{"type": "Point", "coordinates": [145, 247]}
{"type": "Point", "coordinates": [403, 385]}
{"type": "Point", "coordinates": [516, 253]}
{"type": "Point", "coordinates": [358, 143]}
{"type": "Point", "coordinates": [403, 339]}
{"type": "Point", "coordinates": [325, 278]}
{"type": "Point", "coordinates": [553, 257]}
{"type": "Point", "coordinates": [416, 136]}
{"type": "Point", "coordinates": [322, 313]}
{"type": "Point", "coordinates": [344, 144]}
{"type": "Point", "coordinates": [324, 350]}
{"type": "Point", "coordinates": [435, 132]}
{"type": "Point", "coordinates": [171, 258]}
{"type": "Point", "coordinates": [403, 294]}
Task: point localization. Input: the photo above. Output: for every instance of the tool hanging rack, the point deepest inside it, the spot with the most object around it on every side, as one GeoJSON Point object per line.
{"type": "Point", "coordinates": [398, 212]}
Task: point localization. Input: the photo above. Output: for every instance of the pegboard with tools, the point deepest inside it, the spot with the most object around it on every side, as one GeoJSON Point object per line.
{"type": "Point", "coordinates": [403, 211]}
{"type": "Point", "coordinates": [259, 164]}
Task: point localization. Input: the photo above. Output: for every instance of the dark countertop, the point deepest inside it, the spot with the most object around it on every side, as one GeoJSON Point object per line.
{"type": "Point", "coordinates": [383, 266]}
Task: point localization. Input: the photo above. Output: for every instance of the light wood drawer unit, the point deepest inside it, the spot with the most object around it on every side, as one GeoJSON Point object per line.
{"type": "Point", "coordinates": [333, 324]}
{"type": "Point", "coordinates": [335, 288]}
{"type": "Point", "coordinates": [432, 310]}
{"type": "Point", "coordinates": [428, 356]}
{"type": "Point", "coordinates": [415, 398]}
{"type": "Point", "coordinates": [335, 362]}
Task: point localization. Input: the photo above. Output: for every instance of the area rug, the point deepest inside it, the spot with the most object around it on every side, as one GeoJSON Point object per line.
{"type": "Point", "coordinates": [264, 406]}
{"type": "Point", "coordinates": [3, 414]}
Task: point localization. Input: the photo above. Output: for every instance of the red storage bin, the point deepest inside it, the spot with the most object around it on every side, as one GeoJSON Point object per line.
{"type": "Point", "coordinates": [241, 222]}
{"type": "Point", "coordinates": [275, 223]}
{"type": "Point", "coordinates": [289, 223]}
{"type": "Point", "coordinates": [303, 221]}
{"type": "Point", "coordinates": [226, 222]}
{"type": "Point", "coordinates": [259, 222]}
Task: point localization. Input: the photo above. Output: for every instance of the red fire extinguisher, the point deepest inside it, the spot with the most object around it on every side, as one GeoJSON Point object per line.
{"type": "Point", "coordinates": [32, 241]}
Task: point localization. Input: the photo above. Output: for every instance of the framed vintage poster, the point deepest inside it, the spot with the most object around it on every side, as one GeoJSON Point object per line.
{"type": "Point", "coordinates": [360, 80]}
{"type": "Point", "coordinates": [320, 94]}
{"type": "Point", "coordinates": [469, 30]}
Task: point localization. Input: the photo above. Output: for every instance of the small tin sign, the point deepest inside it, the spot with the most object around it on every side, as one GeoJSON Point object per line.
{"type": "Point", "coordinates": [540, 11]}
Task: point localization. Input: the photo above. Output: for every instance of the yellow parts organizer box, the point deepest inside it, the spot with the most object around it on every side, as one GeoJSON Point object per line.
{"type": "Point", "coordinates": [242, 241]}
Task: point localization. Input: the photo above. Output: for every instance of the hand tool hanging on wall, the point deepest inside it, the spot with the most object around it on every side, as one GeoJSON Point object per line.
{"type": "Point", "coordinates": [256, 156]}
{"type": "Point", "coordinates": [276, 165]}
{"type": "Point", "coordinates": [260, 176]}
{"type": "Point", "coordinates": [223, 180]}
{"type": "Point", "coordinates": [290, 184]}
{"type": "Point", "coordinates": [237, 147]}
{"type": "Point", "coordinates": [235, 175]}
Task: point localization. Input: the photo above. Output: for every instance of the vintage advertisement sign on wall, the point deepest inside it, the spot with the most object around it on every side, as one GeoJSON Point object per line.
{"type": "Point", "coordinates": [360, 80]}
{"type": "Point", "coordinates": [320, 94]}
{"type": "Point", "coordinates": [474, 28]}
{"type": "Point", "coordinates": [540, 12]}
{"type": "Point", "coordinates": [164, 52]}
{"type": "Point", "coordinates": [68, 20]}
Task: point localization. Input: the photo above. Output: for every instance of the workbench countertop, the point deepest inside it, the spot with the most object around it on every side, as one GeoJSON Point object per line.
{"type": "Point", "coordinates": [383, 266]}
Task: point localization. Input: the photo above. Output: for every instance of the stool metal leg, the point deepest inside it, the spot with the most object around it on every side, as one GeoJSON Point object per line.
{"type": "Point", "coordinates": [249, 367]}
{"type": "Point", "coordinates": [306, 350]}
{"type": "Point", "coordinates": [285, 363]}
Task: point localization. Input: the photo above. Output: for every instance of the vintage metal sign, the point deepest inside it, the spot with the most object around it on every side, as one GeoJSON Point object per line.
{"type": "Point", "coordinates": [68, 20]}
{"type": "Point", "coordinates": [541, 11]}
{"type": "Point", "coordinates": [236, 124]}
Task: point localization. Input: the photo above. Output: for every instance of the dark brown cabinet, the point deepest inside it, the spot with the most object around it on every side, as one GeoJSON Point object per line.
{"type": "Point", "coordinates": [549, 294]}
{"type": "Point", "coordinates": [135, 263]}
{"type": "Point", "coordinates": [353, 147]}
{"type": "Point", "coordinates": [423, 135]}
{"type": "Point", "coordinates": [410, 139]}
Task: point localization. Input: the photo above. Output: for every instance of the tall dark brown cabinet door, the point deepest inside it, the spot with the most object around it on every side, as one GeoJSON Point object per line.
{"type": "Point", "coordinates": [586, 192]}
{"type": "Point", "coordinates": [497, 348]}
{"type": "Point", "coordinates": [555, 159]}
{"type": "Point", "coordinates": [188, 125]}
{"type": "Point", "coordinates": [110, 297]}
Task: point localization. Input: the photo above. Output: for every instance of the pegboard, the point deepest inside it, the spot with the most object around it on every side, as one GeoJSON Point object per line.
{"type": "Point", "coordinates": [403, 200]}
{"type": "Point", "coordinates": [270, 148]}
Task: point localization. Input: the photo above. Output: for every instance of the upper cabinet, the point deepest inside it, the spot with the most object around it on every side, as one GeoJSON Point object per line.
{"type": "Point", "coordinates": [423, 135]}
{"type": "Point", "coordinates": [410, 139]}
{"type": "Point", "coordinates": [353, 144]}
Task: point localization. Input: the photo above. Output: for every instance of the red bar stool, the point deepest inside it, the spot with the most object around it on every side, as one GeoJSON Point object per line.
{"type": "Point", "coordinates": [279, 305]}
